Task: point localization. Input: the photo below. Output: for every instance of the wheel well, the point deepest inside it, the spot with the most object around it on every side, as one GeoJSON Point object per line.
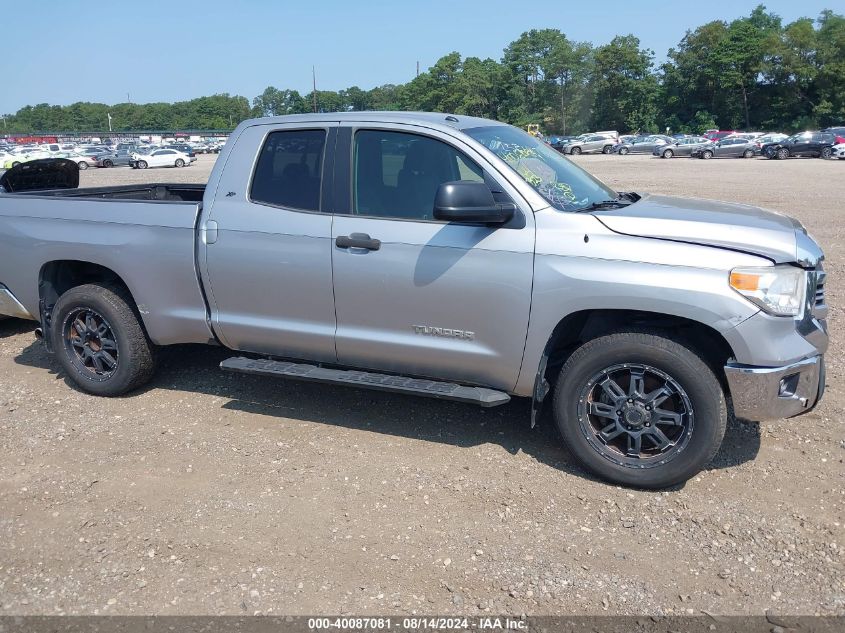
{"type": "Point", "coordinates": [580, 327]}
{"type": "Point", "coordinates": [57, 277]}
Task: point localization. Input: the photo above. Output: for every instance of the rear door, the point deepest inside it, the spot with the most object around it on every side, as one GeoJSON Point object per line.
{"type": "Point", "coordinates": [726, 148]}
{"type": "Point", "coordinates": [438, 299]}
{"type": "Point", "coordinates": [268, 244]}
{"type": "Point", "coordinates": [803, 144]}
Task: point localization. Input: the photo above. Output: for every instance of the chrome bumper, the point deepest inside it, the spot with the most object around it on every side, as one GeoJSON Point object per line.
{"type": "Point", "coordinates": [771, 393]}
{"type": "Point", "coordinates": [10, 306]}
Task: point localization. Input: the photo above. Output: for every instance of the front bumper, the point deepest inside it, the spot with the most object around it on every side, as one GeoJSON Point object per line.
{"type": "Point", "coordinates": [771, 393]}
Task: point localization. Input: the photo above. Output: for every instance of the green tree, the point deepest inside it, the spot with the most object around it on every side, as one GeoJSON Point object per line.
{"type": "Point", "coordinates": [625, 87]}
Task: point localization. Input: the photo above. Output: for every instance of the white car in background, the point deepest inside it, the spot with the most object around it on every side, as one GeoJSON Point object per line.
{"type": "Point", "coordinates": [159, 158]}
{"type": "Point", "coordinates": [838, 151]}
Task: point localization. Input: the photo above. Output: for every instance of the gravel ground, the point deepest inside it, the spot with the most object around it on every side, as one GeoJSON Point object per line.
{"type": "Point", "coordinates": [214, 493]}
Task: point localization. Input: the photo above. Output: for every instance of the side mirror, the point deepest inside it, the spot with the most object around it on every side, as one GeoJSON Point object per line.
{"type": "Point", "coordinates": [471, 202]}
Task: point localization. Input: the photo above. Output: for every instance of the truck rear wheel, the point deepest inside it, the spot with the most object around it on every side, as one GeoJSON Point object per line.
{"type": "Point", "coordinates": [640, 409]}
{"type": "Point", "coordinates": [99, 340]}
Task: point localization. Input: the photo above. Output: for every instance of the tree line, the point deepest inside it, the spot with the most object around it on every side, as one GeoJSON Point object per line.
{"type": "Point", "coordinates": [754, 73]}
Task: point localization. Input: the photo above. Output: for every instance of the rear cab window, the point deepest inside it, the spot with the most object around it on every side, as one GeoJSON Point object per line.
{"type": "Point", "coordinates": [289, 170]}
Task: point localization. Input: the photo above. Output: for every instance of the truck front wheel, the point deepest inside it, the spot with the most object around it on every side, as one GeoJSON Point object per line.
{"type": "Point", "coordinates": [99, 340]}
{"type": "Point", "coordinates": [640, 409]}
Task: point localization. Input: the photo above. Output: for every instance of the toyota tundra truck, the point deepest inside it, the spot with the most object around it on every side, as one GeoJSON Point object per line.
{"type": "Point", "coordinates": [435, 255]}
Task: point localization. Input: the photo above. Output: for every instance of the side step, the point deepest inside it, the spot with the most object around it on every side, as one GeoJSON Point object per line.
{"type": "Point", "coordinates": [381, 382]}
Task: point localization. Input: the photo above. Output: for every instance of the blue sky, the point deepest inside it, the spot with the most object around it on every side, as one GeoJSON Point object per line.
{"type": "Point", "coordinates": [60, 52]}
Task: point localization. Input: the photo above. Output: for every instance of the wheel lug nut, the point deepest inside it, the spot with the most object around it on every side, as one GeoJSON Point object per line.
{"type": "Point", "coordinates": [630, 400]}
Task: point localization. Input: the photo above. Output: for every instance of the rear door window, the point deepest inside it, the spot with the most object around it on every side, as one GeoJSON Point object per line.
{"type": "Point", "coordinates": [290, 169]}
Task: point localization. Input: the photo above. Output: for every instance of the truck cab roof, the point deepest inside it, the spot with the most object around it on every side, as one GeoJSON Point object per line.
{"type": "Point", "coordinates": [427, 119]}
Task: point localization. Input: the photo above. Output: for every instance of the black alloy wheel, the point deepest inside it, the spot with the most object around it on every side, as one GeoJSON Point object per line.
{"type": "Point", "coordinates": [90, 344]}
{"type": "Point", "coordinates": [634, 413]}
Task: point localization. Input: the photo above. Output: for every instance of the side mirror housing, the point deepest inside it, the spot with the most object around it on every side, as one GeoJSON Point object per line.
{"type": "Point", "coordinates": [470, 202]}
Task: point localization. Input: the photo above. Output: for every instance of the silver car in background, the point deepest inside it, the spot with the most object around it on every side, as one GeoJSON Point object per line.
{"type": "Point", "coordinates": [681, 147]}
{"type": "Point", "coordinates": [643, 144]}
{"type": "Point", "coordinates": [591, 145]}
{"type": "Point", "coordinates": [734, 147]}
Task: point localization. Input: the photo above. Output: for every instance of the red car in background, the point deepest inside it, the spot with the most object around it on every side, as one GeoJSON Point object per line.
{"type": "Point", "coordinates": [718, 135]}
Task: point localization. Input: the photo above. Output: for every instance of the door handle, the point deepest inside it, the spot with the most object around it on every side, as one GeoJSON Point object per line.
{"type": "Point", "coordinates": [358, 240]}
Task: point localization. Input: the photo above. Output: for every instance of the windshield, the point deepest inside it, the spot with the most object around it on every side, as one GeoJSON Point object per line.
{"type": "Point", "coordinates": [566, 186]}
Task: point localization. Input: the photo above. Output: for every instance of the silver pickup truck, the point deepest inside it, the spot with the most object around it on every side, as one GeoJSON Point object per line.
{"type": "Point", "coordinates": [436, 255]}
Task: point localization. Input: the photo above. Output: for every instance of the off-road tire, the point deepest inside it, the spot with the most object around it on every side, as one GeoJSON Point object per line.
{"type": "Point", "coordinates": [135, 352]}
{"type": "Point", "coordinates": [661, 351]}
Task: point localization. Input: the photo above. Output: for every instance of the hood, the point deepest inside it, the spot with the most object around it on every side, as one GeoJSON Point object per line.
{"type": "Point", "coordinates": [46, 173]}
{"type": "Point", "coordinates": [736, 227]}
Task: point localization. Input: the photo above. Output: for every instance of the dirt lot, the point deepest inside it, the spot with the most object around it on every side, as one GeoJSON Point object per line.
{"type": "Point", "coordinates": [213, 493]}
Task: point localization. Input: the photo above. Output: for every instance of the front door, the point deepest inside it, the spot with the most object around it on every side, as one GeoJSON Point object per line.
{"type": "Point", "coordinates": [268, 245]}
{"type": "Point", "coordinates": [415, 295]}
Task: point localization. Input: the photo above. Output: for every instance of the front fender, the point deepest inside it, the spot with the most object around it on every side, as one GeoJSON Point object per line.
{"type": "Point", "coordinates": [603, 270]}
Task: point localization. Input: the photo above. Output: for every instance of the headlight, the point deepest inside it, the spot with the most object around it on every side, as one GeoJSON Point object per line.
{"type": "Point", "coordinates": [779, 290]}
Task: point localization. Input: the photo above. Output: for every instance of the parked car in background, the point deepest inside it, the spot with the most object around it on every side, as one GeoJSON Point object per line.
{"type": "Point", "coordinates": [681, 147]}
{"type": "Point", "coordinates": [24, 157]}
{"type": "Point", "coordinates": [184, 148]}
{"type": "Point", "coordinates": [815, 144]}
{"type": "Point", "coordinates": [718, 135]}
{"type": "Point", "coordinates": [838, 151]}
{"type": "Point", "coordinates": [592, 144]}
{"type": "Point", "coordinates": [745, 135]}
{"type": "Point", "coordinates": [165, 157]}
{"type": "Point", "coordinates": [83, 161]}
{"type": "Point", "coordinates": [726, 148]}
{"type": "Point", "coordinates": [643, 144]}
{"type": "Point", "coordinates": [558, 143]}
{"type": "Point", "coordinates": [769, 137]}
{"type": "Point", "coordinates": [121, 157]}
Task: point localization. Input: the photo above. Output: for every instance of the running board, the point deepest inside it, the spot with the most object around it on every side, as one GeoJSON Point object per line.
{"type": "Point", "coordinates": [367, 380]}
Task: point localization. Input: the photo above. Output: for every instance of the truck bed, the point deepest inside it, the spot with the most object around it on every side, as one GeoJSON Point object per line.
{"type": "Point", "coordinates": [145, 234]}
{"type": "Point", "coordinates": [179, 192]}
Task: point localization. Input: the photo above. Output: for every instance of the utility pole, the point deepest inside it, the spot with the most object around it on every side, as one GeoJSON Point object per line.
{"type": "Point", "coordinates": [108, 114]}
{"type": "Point", "coordinates": [418, 69]}
{"type": "Point", "coordinates": [128, 100]}
{"type": "Point", "coordinates": [314, 89]}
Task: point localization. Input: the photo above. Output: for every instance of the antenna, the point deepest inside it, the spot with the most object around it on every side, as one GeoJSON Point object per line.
{"type": "Point", "coordinates": [418, 69]}
{"type": "Point", "coordinates": [314, 91]}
